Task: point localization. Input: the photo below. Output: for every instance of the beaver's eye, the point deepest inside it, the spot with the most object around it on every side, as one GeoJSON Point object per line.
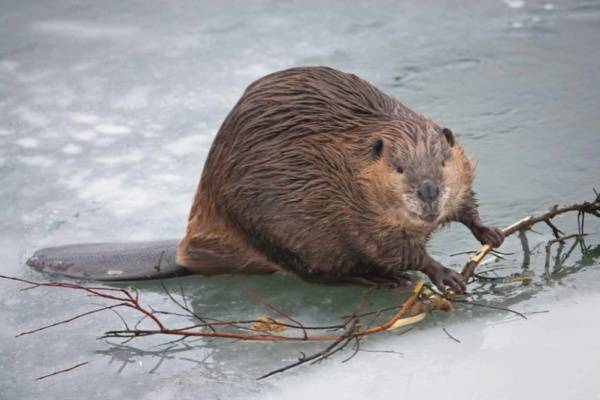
{"type": "Point", "coordinates": [399, 170]}
{"type": "Point", "coordinates": [443, 163]}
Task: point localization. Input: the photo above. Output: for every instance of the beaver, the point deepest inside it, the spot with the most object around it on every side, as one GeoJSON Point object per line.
{"type": "Point", "coordinates": [319, 173]}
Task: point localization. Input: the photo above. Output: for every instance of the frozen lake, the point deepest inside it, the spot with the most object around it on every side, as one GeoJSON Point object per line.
{"type": "Point", "coordinates": [107, 112]}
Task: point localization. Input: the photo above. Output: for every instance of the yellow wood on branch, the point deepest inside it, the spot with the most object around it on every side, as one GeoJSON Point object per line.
{"type": "Point", "coordinates": [592, 208]}
{"type": "Point", "coordinates": [405, 307]}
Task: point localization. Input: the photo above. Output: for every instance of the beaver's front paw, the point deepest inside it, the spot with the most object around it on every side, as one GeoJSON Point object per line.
{"type": "Point", "coordinates": [489, 235]}
{"type": "Point", "coordinates": [443, 277]}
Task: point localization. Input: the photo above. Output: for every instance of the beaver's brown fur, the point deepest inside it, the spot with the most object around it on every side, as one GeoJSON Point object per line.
{"type": "Point", "coordinates": [317, 172]}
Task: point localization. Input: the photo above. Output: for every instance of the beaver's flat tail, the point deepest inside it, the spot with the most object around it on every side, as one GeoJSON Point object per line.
{"type": "Point", "coordinates": [110, 261]}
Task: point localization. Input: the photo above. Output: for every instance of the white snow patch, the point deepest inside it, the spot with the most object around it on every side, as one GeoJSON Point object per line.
{"type": "Point", "coordinates": [253, 70]}
{"type": "Point", "coordinates": [28, 143]}
{"type": "Point", "coordinates": [71, 149]}
{"type": "Point", "coordinates": [102, 188]}
{"type": "Point", "coordinates": [132, 157]}
{"type": "Point", "coordinates": [119, 196]}
{"type": "Point", "coordinates": [84, 136]}
{"type": "Point", "coordinates": [156, 127]}
{"type": "Point", "coordinates": [166, 178]}
{"type": "Point", "coordinates": [11, 302]}
{"type": "Point", "coordinates": [188, 144]}
{"type": "Point", "coordinates": [31, 117]}
{"type": "Point", "coordinates": [37, 161]}
{"type": "Point", "coordinates": [112, 129]}
{"type": "Point", "coordinates": [164, 159]}
{"type": "Point", "coordinates": [82, 118]}
{"type": "Point", "coordinates": [9, 65]}
{"type": "Point", "coordinates": [76, 180]}
{"type": "Point", "coordinates": [51, 134]}
{"type": "Point", "coordinates": [134, 99]}
{"type": "Point", "coordinates": [4, 132]}
{"type": "Point", "coordinates": [83, 30]}
{"type": "Point", "coordinates": [104, 141]}
{"type": "Point", "coordinates": [515, 4]}
{"type": "Point", "coordinates": [54, 97]}
{"type": "Point", "coordinates": [35, 76]}
{"type": "Point", "coordinates": [82, 67]}
{"type": "Point", "coordinates": [548, 6]}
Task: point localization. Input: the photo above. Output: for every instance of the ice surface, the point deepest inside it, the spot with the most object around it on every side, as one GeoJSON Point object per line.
{"type": "Point", "coordinates": [502, 358]}
{"type": "Point", "coordinates": [111, 129]}
{"type": "Point", "coordinates": [107, 112]}
{"type": "Point", "coordinates": [82, 29]}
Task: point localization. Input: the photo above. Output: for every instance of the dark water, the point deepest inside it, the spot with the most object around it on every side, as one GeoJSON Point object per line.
{"type": "Point", "coordinates": [107, 111]}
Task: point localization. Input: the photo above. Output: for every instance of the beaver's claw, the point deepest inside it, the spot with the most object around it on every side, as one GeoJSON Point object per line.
{"type": "Point", "coordinates": [443, 277]}
{"type": "Point", "coordinates": [447, 278]}
{"type": "Point", "coordinates": [489, 235]}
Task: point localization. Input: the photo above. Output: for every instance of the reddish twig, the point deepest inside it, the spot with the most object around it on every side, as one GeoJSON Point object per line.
{"type": "Point", "coordinates": [62, 371]}
{"type": "Point", "coordinates": [549, 244]}
{"type": "Point", "coordinates": [128, 299]}
{"type": "Point", "coordinates": [450, 336]}
{"type": "Point", "coordinates": [341, 340]}
{"type": "Point", "coordinates": [64, 321]}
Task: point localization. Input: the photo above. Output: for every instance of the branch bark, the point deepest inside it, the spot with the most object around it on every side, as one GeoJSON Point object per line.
{"type": "Point", "coordinates": [526, 223]}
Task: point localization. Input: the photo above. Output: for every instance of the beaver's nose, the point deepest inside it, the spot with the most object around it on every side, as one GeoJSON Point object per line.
{"type": "Point", "coordinates": [428, 191]}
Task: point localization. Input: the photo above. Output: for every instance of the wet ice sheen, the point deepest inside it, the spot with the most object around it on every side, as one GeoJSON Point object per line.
{"type": "Point", "coordinates": [107, 113]}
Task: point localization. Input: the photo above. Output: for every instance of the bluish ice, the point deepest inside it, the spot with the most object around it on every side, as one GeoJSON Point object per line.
{"type": "Point", "coordinates": [107, 112]}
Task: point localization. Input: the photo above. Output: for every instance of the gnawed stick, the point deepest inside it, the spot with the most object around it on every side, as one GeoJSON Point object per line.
{"type": "Point", "coordinates": [392, 323]}
{"type": "Point", "coordinates": [526, 223]}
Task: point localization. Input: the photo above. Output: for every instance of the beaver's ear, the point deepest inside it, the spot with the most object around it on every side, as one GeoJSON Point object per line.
{"type": "Point", "coordinates": [449, 136]}
{"type": "Point", "coordinates": [377, 149]}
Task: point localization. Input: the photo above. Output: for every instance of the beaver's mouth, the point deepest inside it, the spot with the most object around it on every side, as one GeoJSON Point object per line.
{"type": "Point", "coordinates": [429, 212]}
{"type": "Point", "coordinates": [429, 217]}
{"type": "Point", "coordinates": [424, 216]}
{"type": "Point", "coordinates": [421, 212]}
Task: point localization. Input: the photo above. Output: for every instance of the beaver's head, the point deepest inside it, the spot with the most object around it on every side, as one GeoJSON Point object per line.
{"type": "Point", "coordinates": [418, 180]}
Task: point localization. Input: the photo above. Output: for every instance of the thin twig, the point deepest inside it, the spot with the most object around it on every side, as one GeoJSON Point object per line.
{"type": "Point", "coordinates": [451, 336]}
{"type": "Point", "coordinates": [304, 359]}
{"type": "Point", "coordinates": [182, 306]}
{"type": "Point", "coordinates": [64, 321]}
{"type": "Point", "coordinates": [561, 240]}
{"type": "Point", "coordinates": [185, 307]}
{"type": "Point", "coordinates": [62, 371]}
{"type": "Point", "coordinates": [527, 222]}
{"type": "Point", "coordinates": [491, 307]}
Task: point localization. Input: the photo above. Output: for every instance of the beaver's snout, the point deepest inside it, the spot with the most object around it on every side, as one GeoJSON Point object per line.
{"type": "Point", "coordinates": [428, 191]}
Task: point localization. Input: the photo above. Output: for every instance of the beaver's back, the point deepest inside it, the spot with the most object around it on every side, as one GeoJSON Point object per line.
{"type": "Point", "coordinates": [283, 163]}
{"type": "Point", "coordinates": [283, 109]}
{"type": "Point", "coordinates": [308, 100]}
